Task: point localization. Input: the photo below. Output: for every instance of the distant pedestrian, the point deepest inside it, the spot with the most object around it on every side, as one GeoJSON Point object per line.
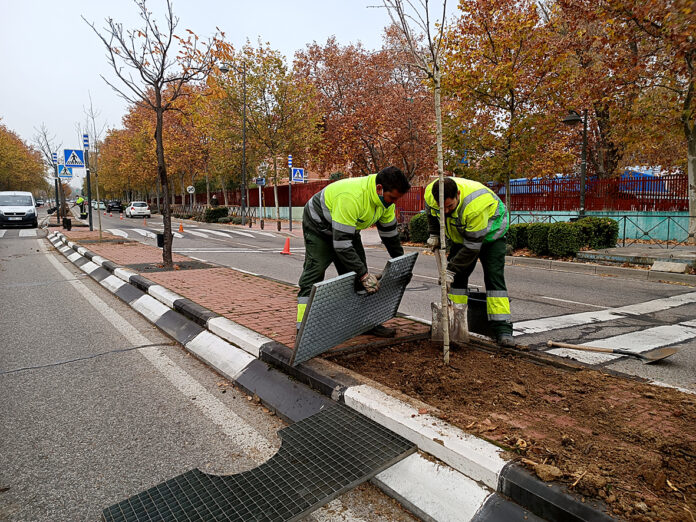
{"type": "Point", "coordinates": [80, 201]}
{"type": "Point", "coordinates": [214, 200]}
{"type": "Point", "coordinates": [476, 223]}
{"type": "Point", "coordinates": [331, 224]}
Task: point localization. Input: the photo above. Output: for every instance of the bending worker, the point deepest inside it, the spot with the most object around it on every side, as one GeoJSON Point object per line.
{"type": "Point", "coordinates": [477, 221]}
{"type": "Point", "coordinates": [331, 224]}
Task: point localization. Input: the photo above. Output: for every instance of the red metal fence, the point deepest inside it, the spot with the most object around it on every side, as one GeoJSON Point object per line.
{"type": "Point", "coordinates": [665, 193]}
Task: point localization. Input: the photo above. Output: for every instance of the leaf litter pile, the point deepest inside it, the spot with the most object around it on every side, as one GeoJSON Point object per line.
{"type": "Point", "coordinates": [630, 444]}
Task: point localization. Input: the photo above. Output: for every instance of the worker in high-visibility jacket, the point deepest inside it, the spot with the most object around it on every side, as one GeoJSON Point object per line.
{"type": "Point", "coordinates": [80, 202]}
{"type": "Point", "coordinates": [331, 225]}
{"type": "Point", "coordinates": [476, 223]}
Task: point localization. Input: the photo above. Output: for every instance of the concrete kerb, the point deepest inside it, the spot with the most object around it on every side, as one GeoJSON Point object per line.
{"type": "Point", "coordinates": [600, 270]}
{"type": "Point", "coordinates": [478, 464]}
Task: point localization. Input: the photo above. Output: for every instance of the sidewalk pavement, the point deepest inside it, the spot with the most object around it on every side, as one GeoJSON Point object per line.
{"type": "Point", "coordinates": [476, 483]}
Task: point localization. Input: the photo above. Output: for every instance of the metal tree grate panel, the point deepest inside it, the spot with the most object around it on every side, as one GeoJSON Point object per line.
{"type": "Point", "coordinates": [320, 457]}
{"type": "Point", "coordinates": [336, 312]}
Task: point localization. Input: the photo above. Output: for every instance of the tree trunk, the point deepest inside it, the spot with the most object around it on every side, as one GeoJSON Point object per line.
{"type": "Point", "coordinates": [224, 191]}
{"type": "Point", "coordinates": [275, 187]}
{"type": "Point", "coordinates": [691, 170]}
{"type": "Point", "coordinates": [207, 187]}
{"type": "Point", "coordinates": [443, 218]}
{"type": "Point", "coordinates": [162, 173]}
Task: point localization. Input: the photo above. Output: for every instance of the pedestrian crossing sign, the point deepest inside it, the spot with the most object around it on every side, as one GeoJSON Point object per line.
{"type": "Point", "coordinates": [74, 158]}
{"type": "Point", "coordinates": [297, 175]}
{"type": "Point", "coordinates": [65, 172]}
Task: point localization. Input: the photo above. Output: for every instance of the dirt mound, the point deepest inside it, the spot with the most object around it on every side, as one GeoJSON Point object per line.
{"type": "Point", "coordinates": [629, 443]}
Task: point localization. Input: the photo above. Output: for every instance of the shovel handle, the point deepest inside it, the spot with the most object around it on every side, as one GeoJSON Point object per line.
{"type": "Point", "coordinates": [557, 344]}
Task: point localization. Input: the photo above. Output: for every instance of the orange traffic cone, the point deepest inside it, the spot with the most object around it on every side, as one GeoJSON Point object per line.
{"type": "Point", "coordinates": [105, 212]}
{"type": "Point", "coordinates": [111, 215]}
{"type": "Point", "coordinates": [120, 215]}
{"type": "Point", "coordinates": [181, 227]}
{"type": "Point", "coordinates": [144, 222]}
{"type": "Point", "coordinates": [286, 248]}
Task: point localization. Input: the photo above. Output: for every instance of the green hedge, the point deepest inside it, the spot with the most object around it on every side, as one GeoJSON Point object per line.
{"type": "Point", "coordinates": [565, 239]}
{"type": "Point", "coordinates": [517, 236]}
{"type": "Point", "coordinates": [538, 238]}
{"type": "Point", "coordinates": [224, 220]}
{"type": "Point", "coordinates": [599, 232]}
{"type": "Point", "coordinates": [212, 214]}
{"type": "Point", "coordinates": [418, 228]}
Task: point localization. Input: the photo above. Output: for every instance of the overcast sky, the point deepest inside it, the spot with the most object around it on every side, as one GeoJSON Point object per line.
{"type": "Point", "coordinates": [52, 61]}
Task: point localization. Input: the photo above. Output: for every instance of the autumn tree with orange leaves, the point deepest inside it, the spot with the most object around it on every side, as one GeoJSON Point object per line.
{"type": "Point", "coordinates": [376, 110]}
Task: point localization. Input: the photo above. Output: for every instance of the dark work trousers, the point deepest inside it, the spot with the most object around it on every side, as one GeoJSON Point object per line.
{"type": "Point", "coordinates": [319, 254]}
{"type": "Point", "coordinates": [462, 262]}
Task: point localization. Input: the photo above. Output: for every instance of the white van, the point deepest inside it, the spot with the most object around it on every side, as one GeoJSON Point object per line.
{"type": "Point", "coordinates": [17, 209]}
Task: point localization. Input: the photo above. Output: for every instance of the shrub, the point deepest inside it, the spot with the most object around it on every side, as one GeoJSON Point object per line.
{"type": "Point", "coordinates": [517, 236]}
{"type": "Point", "coordinates": [211, 215]}
{"type": "Point", "coordinates": [236, 220]}
{"type": "Point", "coordinates": [565, 239]}
{"type": "Point", "coordinates": [538, 238]}
{"type": "Point", "coordinates": [224, 220]}
{"type": "Point", "coordinates": [599, 232]}
{"type": "Point", "coordinates": [418, 228]}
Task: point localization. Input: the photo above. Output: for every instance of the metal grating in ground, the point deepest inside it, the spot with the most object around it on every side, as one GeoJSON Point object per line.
{"type": "Point", "coordinates": [336, 313]}
{"type": "Point", "coordinates": [320, 458]}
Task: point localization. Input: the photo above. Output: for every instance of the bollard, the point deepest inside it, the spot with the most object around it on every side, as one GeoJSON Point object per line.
{"type": "Point", "coordinates": [278, 226]}
{"type": "Point", "coordinates": [160, 240]}
{"type": "Point", "coordinates": [67, 223]}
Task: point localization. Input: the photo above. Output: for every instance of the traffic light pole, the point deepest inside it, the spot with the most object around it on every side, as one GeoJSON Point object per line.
{"type": "Point", "coordinates": [55, 169]}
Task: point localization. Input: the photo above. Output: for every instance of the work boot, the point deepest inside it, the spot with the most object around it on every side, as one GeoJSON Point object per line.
{"type": "Point", "coordinates": [506, 340]}
{"type": "Point", "coordinates": [382, 331]}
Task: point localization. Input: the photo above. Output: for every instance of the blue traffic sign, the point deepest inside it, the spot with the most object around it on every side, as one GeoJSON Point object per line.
{"type": "Point", "coordinates": [85, 141]}
{"type": "Point", "coordinates": [74, 158]}
{"type": "Point", "coordinates": [261, 182]}
{"type": "Point", "coordinates": [65, 172]}
{"type": "Point", "coordinates": [289, 160]}
{"type": "Point", "coordinates": [55, 158]}
{"type": "Point", "coordinates": [298, 175]}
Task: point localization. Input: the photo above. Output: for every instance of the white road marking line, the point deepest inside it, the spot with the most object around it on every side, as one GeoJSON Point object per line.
{"type": "Point", "coordinates": [218, 233]}
{"type": "Point", "coordinates": [145, 233]}
{"type": "Point", "coordinates": [117, 232]}
{"type": "Point", "coordinates": [2, 232]}
{"type": "Point", "coordinates": [636, 342]}
{"type": "Point", "coordinates": [565, 321]}
{"type": "Point", "coordinates": [232, 250]}
{"type": "Point", "coordinates": [27, 233]}
{"type": "Point", "coordinates": [267, 234]}
{"type": "Point", "coordinates": [199, 234]}
{"type": "Point", "coordinates": [246, 234]}
{"type": "Point", "coordinates": [571, 302]}
{"type": "Point", "coordinates": [235, 427]}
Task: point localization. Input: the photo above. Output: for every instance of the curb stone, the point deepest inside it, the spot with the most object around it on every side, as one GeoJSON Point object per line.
{"type": "Point", "coordinates": [600, 270]}
{"type": "Point", "coordinates": [246, 357]}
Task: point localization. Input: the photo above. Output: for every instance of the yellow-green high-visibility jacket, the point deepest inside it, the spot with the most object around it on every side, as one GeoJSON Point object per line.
{"type": "Point", "coordinates": [79, 200]}
{"type": "Point", "coordinates": [480, 216]}
{"type": "Point", "coordinates": [344, 208]}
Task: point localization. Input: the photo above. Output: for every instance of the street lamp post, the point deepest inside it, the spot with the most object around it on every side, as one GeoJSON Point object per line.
{"type": "Point", "coordinates": [225, 69]}
{"type": "Point", "coordinates": [574, 118]}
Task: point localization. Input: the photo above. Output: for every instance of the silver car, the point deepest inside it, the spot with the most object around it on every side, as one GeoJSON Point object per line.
{"type": "Point", "coordinates": [138, 209]}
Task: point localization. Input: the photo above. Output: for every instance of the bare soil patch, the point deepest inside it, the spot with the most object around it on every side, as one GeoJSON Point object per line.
{"type": "Point", "coordinates": [629, 443]}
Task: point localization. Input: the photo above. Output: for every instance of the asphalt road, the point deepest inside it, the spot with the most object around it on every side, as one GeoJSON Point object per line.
{"type": "Point", "coordinates": [581, 300]}
{"type": "Point", "coordinates": [98, 404]}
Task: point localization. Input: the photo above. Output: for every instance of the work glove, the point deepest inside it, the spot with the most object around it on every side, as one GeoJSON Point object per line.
{"type": "Point", "coordinates": [449, 277]}
{"type": "Point", "coordinates": [433, 242]}
{"type": "Point", "coordinates": [370, 283]}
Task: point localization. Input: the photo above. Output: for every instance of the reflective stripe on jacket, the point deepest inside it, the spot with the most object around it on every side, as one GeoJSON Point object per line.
{"type": "Point", "coordinates": [479, 217]}
{"type": "Point", "coordinates": [344, 208]}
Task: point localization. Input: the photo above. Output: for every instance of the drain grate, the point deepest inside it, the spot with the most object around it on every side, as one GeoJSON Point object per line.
{"type": "Point", "coordinates": [336, 313]}
{"type": "Point", "coordinates": [320, 458]}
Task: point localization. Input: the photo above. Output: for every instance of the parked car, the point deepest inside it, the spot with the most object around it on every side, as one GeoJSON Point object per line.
{"type": "Point", "coordinates": [17, 209]}
{"type": "Point", "coordinates": [114, 204]}
{"type": "Point", "coordinates": [39, 202]}
{"type": "Point", "coordinates": [98, 205]}
{"type": "Point", "coordinates": [138, 209]}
